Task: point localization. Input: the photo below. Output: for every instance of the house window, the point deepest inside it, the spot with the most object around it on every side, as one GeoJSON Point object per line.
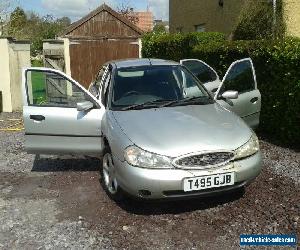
{"type": "Point", "coordinates": [200, 28]}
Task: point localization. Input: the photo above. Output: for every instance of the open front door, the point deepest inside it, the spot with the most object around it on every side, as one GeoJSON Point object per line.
{"type": "Point", "coordinates": [205, 73]}
{"type": "Point", "coordinates": [60, 116]}
{"type": "Point", "coordinates": [241, 77]}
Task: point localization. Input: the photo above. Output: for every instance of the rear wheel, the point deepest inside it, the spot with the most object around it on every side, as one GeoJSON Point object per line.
{"type": "Point", "coordinates": [109, 180]}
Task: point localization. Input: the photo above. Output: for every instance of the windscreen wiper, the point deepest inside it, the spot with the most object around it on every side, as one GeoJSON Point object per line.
{"type": "Point", "coordinates": [189, 100]}
{"type": "Point", "coordinates": [148, 104]}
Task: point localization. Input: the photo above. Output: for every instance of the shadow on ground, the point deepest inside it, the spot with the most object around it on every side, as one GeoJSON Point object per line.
{"type": "Point", "coordinates": [140, 207]}
{"type": "Point", "coordinates": [130, 205]}
{"type": "Point", "coordinates": [278, 142]}
{"type": "Point", "coordinates": [63, 164]}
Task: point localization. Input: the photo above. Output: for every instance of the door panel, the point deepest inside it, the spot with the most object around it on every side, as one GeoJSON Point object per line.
{"type": "Point", "coordinates": [53, 125]}
{"type": "Point", "coordinates": [241, 77]}
{"type": "Point", "coordinates": [244, 108]}
{"type": "Point", "coordinates": [62, 145]}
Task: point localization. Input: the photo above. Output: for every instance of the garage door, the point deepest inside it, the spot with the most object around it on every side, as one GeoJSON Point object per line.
{"type": "Point", "coordinates": [87, 56]}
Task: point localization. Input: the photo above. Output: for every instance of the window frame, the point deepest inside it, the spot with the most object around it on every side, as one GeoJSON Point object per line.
{"type": "Point", "coordinates": [204, 63]}
{"type": "Point", "coordinates": [217, 95]}
{"type": "Point", "coordinates": [222, 90]}
{"type": "Point", "coordinates": [112, 83]}
{"type": "Point", "coordinates": [99, 81]}
{"type": "Point", "coordinates": [45, 70]}
{"type": "Point", "coordinates": [105, 87]}
{"type": "Point", "coordinates": [202, 25]}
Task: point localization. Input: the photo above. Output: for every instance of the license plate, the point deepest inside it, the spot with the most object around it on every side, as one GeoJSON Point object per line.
{"type": "Point", "coordinates": [209, 181]}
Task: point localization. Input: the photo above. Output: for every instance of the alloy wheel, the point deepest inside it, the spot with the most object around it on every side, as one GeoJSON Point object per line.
{"type": "Point", "coordinates": [109, 176]}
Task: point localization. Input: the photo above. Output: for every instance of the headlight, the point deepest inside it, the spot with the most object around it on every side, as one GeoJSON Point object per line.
{"type": "Point", "coordinates": [140, 158]}
{"type": "Point", "coordinates": [248, 149]}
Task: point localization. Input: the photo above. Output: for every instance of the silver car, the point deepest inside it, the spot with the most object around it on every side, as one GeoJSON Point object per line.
{"type": "Point", "coordinates": [161, 132]}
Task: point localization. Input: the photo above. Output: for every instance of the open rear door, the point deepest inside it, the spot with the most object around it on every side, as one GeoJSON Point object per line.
{"type": "Point", "coordinates": [60, 116]}
{"type": "Point", "coordinates": [205, 73]}
{"type": "Point", "coordinates": [241, 77]}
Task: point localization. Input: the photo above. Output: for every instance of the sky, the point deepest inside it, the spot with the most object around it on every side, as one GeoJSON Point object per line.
{"type": "Point", "coordinates": [75, 9]}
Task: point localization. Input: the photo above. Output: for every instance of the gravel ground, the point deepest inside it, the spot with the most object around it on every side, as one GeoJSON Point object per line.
{"type": "Point", "coordinates": [52, 202]}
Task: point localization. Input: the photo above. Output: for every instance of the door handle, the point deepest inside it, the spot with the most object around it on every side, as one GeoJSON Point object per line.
{"type": "Point", "coordinates": [254, 99]}
{"type": "Point", "coordinates": [37, 117]}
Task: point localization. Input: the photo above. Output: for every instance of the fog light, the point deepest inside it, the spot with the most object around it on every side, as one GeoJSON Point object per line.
{"type": "Point", "coordinates": [144, 193]}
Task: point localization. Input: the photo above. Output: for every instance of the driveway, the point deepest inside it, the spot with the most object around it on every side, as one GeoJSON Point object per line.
{"type": "Point", "coordinates": [50, 202]}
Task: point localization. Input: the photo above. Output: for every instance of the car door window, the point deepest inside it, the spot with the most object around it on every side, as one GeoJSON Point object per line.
{"type": "Point", "coordinates": [52, 89]}
{"type": "Point", "coordinates": [94, 89]}
{"type": "Point", "coordinates": [239, 78]}
{"type": "Point", "coordinates": [105, 88]}
{"type": "Point", "coordinates": [201, 70]}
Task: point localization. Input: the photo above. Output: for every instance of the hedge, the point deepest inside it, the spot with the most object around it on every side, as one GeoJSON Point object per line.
{"type": "Point", "coordinates": [277, 65]}
{"type": "Point", "coordinates": [176, 46]}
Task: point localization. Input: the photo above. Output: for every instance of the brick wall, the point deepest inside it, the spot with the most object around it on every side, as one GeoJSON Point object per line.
{"type": "Point", "coordinates": [145, 20]}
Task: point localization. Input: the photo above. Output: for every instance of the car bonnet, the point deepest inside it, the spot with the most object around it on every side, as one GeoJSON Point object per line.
{"type": "Point", "coordinates": [176, 131]}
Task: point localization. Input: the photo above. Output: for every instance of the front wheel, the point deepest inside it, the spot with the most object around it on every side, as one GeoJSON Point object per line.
{"type": "Point", "coordinates": [109, 180]}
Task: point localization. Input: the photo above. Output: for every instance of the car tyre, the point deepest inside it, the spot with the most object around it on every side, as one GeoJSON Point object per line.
{"type": "Point", "coordinates": [108, 178]}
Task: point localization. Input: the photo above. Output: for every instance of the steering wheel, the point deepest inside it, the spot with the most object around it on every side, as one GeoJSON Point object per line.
{"type": "Point", "coordinates": [133, 92]}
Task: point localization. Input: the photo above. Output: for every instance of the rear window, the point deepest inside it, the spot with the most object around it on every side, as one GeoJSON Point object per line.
{"type": "Point", "coordinates": [131, 73]}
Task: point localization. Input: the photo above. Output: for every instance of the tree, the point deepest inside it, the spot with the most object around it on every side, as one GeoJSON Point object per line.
{"type": "Point", "coordinates": [17, 22]}
{"type": "Point", "coordinates": [64, 21]}
{"type": "Point", "coordinates": [32, 27]}
{"type": "Point", "coordinates": [127, 11]}
{"type": "Point", "coordinates": [47, 28]}
{"type": "Point", "coordinates": [257, 21]}
{"type": "Point", "coordinates": [159, 29]}
{"type": "Point", "coordinates": [33, 32]}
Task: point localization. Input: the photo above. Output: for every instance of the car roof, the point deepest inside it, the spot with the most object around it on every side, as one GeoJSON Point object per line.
{"type": "Point", "coordinates": [142, 62]}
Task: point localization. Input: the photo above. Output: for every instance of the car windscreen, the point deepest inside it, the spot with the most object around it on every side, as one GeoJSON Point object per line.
{"type": "Point", "coordinates": [148, 84]}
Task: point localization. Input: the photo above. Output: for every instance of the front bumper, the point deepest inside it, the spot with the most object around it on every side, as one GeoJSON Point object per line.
{"type": "Point", "coordinates": [168, 183]}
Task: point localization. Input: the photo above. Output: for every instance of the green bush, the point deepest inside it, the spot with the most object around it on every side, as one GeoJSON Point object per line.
{"type": "Point", "coordinates": [257, 21]}
{"type": "Point", "coordinates": [37, 63]}
{"type": "Point", "coordinates": [277, 65]}
{"type": "Point", "coordinates": [175, 46]}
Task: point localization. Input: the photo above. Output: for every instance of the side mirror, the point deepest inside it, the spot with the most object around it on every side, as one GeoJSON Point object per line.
{"type": "Point", "coordinates": [230, 94]}
{"type": "Point", "coordinates": [84, 106]}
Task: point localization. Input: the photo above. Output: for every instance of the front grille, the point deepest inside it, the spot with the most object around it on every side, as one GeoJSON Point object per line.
{"type": "Point", "coordinates": [202, 161]}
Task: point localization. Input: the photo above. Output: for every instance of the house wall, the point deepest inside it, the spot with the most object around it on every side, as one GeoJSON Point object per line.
{"type": "Point", "coordinates": [14, 56]}
{"type": "Point", "coordinates": [292, 17]}
{"type": "Point", "coordinates": [5, 76]}
{"type": "Point", "coordinates": [19, 58]}
{"type": "Point", "coordinates": [185, 15]}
